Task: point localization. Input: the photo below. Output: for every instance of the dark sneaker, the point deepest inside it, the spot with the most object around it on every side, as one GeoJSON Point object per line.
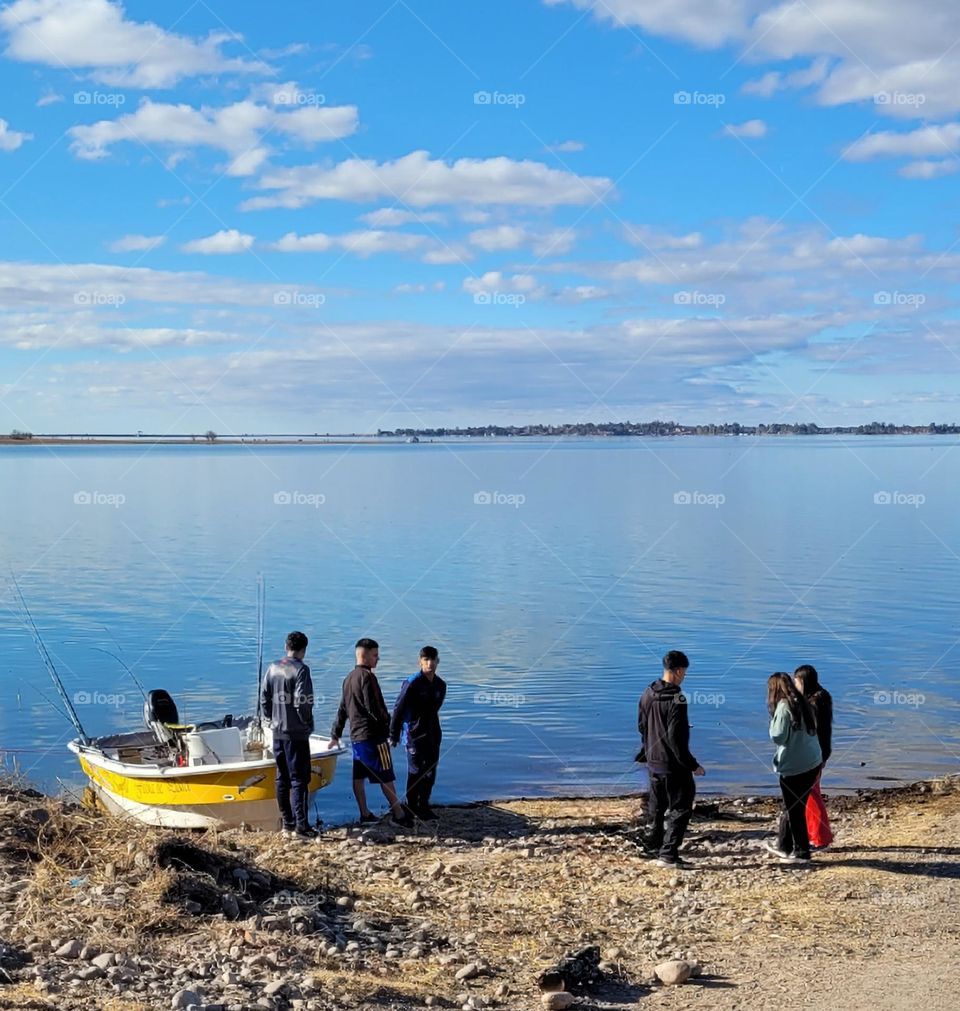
{"type": "Point", "coordinates": [368, 819]}
{"type": "Point", "coordinates": [307, 832]}
{"type": "Point", "coordinates": [674, 863]}
{"type": "Point", "coordinates": [404, 821]}
{"type": "Point", "coordinates": [427, 814]}
{"type": "Point", "coordinates": [287, 829]}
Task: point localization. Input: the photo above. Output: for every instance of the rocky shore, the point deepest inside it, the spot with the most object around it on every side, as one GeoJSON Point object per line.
{"type": "Point", "coordinates": [519, 904]}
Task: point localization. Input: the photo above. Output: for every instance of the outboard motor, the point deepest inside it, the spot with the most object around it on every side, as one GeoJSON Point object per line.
{"type": "Point", "coordinates": [161, 716]}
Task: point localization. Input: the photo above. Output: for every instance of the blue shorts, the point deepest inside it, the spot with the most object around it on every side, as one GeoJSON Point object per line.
{"type": "Point", "coordinates": [372, 760]}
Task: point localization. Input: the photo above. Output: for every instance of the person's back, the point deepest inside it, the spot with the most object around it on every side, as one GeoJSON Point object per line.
{"type": "Point", "coordinates": [362, 706]}
{"type": "Point", "coordinates": [798, 749]}
{"type": "Point", "coordinates": [665, 728]}
{"type": "Point", "coordinates": [287, 699]}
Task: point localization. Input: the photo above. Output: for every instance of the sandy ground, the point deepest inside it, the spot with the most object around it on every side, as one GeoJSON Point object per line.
{"type": "Point", "coordinates": [380, 919]}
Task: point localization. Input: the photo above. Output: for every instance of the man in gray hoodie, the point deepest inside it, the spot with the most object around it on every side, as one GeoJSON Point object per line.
{"type": "Point", "coordinates": [286, 701]}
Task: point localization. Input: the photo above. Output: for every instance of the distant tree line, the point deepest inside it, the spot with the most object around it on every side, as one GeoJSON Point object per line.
{"type": "Point", "coordinates": [658, 428]}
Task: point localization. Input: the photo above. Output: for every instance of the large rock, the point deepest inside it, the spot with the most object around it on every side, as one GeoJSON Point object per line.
{"type": "Point", "coordinates": [184, 998]}
{"type": "Point", "coordinates": [71, 949]}
{"type": "Point", "coordinates": [556, 1001]}
{"type": "Point", "coordinates": [674, 972]}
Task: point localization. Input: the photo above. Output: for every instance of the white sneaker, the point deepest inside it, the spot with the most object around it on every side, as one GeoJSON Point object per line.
{"type": "Point", "coordinates": [776, 851]}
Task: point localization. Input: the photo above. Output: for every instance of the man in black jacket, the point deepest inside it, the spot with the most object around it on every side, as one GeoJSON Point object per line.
{"type": "Point", "coordinates": [286, 702]}
{"type": "Point", "coordinates": [418, 710]}
{"type": "Point", "coordinates": [665, 728]}
{"type": "Point", "coordinates": [362, 705]}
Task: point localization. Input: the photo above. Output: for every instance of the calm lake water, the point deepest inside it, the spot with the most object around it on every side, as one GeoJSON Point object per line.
{"type": "Point", "coordinates": [552, 576]}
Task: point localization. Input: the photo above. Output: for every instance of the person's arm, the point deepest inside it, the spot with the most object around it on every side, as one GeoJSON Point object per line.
{"type": "Point", "coordinates": [678, 736]}
{"type": "Point", "coordinates": [780, 724]}
{"type": "Point", "coordinates": [303, 696]}
{"type": "Point", "coordinates": [825, 727]}
{"type": "Point", "coordinates": [443, 695]}
{"type": "Point", "coordinates": [398, 718]}
{"type": "Point", "coordinates": [340, 720]}
{"type": "Point", "coordinates": [266, 697]}
{"type": "Point", "coordinates": [373, 701]}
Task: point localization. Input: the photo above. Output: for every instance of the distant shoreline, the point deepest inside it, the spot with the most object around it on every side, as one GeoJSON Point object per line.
{"type": "Point", "coordinates": [423, 438]}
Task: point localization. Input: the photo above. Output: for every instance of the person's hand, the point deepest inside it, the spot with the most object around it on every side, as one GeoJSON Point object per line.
{"type": "Point", "coordinates": [699, 771]}
{"type": "Point", "coordinates": [334, 743]}
{"type": "Point", "coordinates": [392, 743]}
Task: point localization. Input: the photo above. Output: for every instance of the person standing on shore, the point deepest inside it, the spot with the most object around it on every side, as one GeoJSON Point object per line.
{"type": "Point", "coordinates": [665, 729]}
{"type": "Point", "coordinates": [418, 710]}
{"type": "Point", "coordinates": [286, 700]}
{"type": "Point", "coordinates": [793, 728]}
{"type": "Point", "coordinates": [807, 682]}
{"type": "Point", "coordinates": [362, 705]}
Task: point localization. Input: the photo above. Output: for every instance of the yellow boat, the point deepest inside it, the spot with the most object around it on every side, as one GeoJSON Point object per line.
{"type": "Point", "coordinates": [210, 775]}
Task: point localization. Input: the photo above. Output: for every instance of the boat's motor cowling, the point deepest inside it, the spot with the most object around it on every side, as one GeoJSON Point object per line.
{"type": "Point", "coordinates": [160, 715]}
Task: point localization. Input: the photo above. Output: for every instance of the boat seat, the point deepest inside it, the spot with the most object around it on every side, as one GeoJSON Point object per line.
{"type": "Point", "coordinates": [161, 716]}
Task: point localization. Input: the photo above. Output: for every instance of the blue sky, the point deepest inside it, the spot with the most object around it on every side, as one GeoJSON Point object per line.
{"type": "Point", "coordinates": [344, 217]}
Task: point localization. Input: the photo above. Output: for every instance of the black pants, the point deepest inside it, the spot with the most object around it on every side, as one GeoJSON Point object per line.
{"type": "Point", "coordinates": [293, 781]}
{"type": "Point", "coordinates": [421, 775]}
{"type": "Point", "coordinates": [792, 836]}
{"type": "Point", "coordinates": [669, 811]}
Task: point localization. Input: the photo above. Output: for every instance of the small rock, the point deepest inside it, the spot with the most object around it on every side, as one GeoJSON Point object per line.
{"type": "Point", "coordinates": [277, 986]}
{"type": "Point", "coordinates": [470, 971]}
{"type": "Point", "coordinates": [104, 961]}
{"type": "Point", "coordinates": [184, 998]}
{"type": "Point", "coordinates": [91, 972]}
{"type": "Point", "coordinates": [71, 949]}
{"type": "Point", "coordinates": [557, 1001]}
{"type": "Point", "coordinates": [674, 972]}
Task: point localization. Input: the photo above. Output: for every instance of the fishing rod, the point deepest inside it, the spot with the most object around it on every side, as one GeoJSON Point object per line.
{"type": "Point", "coordinates": [48, 663]}
{"type": "Point", "coordinates": [261, 607]}
{"type": "Point", "coordinates": [136, 680]}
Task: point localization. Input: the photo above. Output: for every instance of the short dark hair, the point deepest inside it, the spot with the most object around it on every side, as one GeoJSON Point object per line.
{"type": "Point", "coordinates": [429, 653]}
{"type": "Point", "coordinates": [296, 641]}
{"type": "Point", "coordinates": [675, 659]}
{"type": "Point", "coordinates": [367, 644]}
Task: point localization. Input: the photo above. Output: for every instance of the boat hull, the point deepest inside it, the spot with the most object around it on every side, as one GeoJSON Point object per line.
{"type": "Point", "coordinates": [228, 796]}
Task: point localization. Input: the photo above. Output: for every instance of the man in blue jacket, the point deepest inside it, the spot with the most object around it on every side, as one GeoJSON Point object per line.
{"type": "Point", "coordinates": [286, 702]}
{"type": "Point", "coordinates": [418, 710]}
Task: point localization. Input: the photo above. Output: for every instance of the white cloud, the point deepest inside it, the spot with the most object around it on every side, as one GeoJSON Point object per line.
{"type": "Point", "coordinates": [97, 36]}
{"type": "Point", "coordinates": [135, 243]}
{"type": "Point", "coordinates": [927, 141]}
{"type": "Point", "coordinates": [225, 241]}
{"type": "Point", "coordinates": [48, 98]}
{"type": "Point", "coordinates": [567, 147]}
{"type": "Point", "coordinates": [774, 80]}
{"type": "Point", "coordinates": [929, 169]}
{"type": "Point", "coordinates": [360, 243]}
{"type": "Point", "coordinates": [707, 23]}
{"type": "Point", "coordinates": [753, 128]}
{"type": "Point", "coordinates": [10, 140]}
{"type": "Point", "coordinates": [419, 289]}
{"type": "Point", "coordinates": [496, 282]}
{"type": "Point", "coordinates": [422, 181]}
{"type": "Point", "coordinates": [389, 217]}
{"type": "Point", "coordinates": [501, 238]}
{"type": "Point", "coordinates": [235, 129]}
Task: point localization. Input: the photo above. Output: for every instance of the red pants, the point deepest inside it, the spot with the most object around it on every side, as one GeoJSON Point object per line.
{"type": "Point", "coordinates": [818, 824]}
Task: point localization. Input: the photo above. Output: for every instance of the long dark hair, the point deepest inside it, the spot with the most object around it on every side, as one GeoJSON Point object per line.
{"type": "Point", "coordinates": [780, 688]}
{"type": "Point", "coordinates": [809, 679]}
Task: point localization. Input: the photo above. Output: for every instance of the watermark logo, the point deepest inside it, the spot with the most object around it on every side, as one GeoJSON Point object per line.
{"type": "Point", "coordinates": [699, 498]}
{"type": "Point", "coordinates": [99, 699]}
{"type": "Point", "coordinates": [912, 700]}
{"type": "Point", "coordinates": [507, 98]}
{"type": "Point", "coordinates": [899, 498]}
{"type": "Point", "coordinates": [114, 98]}
{"type": "Point", "coordinates": [99, 498]}
{"type": "Point", "coordinates": [901, 98]}
{"type": "Point", "coordinates": [697, 697]}
{"type": "Point", "coordinates": [296, 97]}
{"type": "Point", "coordinates": [498, 498]}
{"type": "Point", "coordinates": [699, 298]}
{"type": "Point", "coordinates": [716, 98]}
{"type": "Point", "coordinates": [504, 700]}
{"type": "Point", "coordinates": [511, 298]}
{"type": "Point", "coordinates": [95, 298]}
{"type": "Point", "coordinates": [910, 299]}
{"type": "Point", "coordinates": [306, 299]}
{"type": "Point", "coordinates": [299, 498]}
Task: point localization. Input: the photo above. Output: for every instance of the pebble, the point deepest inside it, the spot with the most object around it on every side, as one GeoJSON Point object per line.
{"type": "Point", "coordinates": [184, 998]}
{"type": "Point", "coordinates": [557, 1001]}
{"type": "Point", "coordinates": [71, 949]}
{"type": "Point", "coordinates": [673, 972]}
{"type": "Point", "coordinates": [470, 971]}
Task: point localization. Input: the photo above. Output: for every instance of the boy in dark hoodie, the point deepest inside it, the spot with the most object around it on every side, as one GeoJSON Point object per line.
{"type": "Point", "coordinates": [418, 711]}
{"type": "Point", "coordinates": [665, 728]}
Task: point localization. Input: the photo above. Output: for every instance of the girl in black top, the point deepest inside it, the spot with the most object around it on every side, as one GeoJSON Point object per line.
{"type": "Point", "coordinates": [807, 680]}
